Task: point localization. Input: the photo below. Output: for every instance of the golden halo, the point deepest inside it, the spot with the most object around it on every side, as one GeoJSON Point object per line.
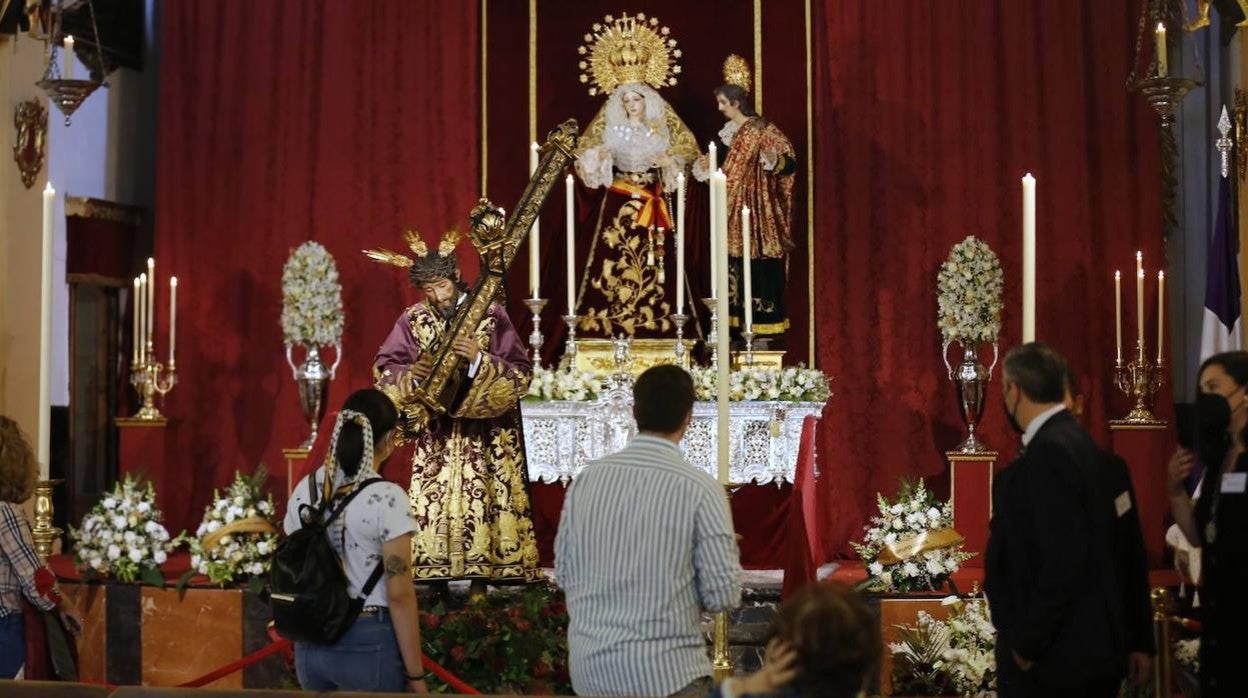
{"type": "Point", "coordinates": [628, 49]}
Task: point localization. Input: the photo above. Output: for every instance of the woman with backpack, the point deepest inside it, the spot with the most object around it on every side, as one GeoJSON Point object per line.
{"type": "Point", "coordinates": [371, 534]}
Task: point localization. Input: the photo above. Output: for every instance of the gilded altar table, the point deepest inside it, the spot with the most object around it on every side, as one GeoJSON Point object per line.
{"type": "Point", "coordinates": [562, 437]}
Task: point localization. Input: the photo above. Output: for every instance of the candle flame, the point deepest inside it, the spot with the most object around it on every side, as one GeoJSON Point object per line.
{"type": "Point", "coordinates": [1117, 275]}
{"type": "Point", "coordinates": [173, 281]}
{"type": "Point", "coordinates": [1161, 275]}
{"type": "Point", "coordinates": [1161, 27]}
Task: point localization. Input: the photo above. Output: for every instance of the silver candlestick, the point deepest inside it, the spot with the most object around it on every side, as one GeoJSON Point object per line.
{"type": "Point", "coordinates": [682, 356]}
{"type": "Point", "coordinates": [712, 337]}
{"type": "Point", "coordinates": [569, 352]}
{"type": "Point", "coordinates": [535, 337]}
{"type": "Point", "coordinates": [748, 336]}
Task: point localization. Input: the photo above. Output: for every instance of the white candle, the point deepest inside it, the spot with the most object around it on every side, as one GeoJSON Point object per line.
{"type": "Point", "coordinates": [45, 332]}
{"type": "Point", "coordinates": [1139, 311]}
{"type": "Point", "coordinates": [69, 57]}
{"type": "Point", "coordinates": [1029, 258]}
{"type": "Point", "coordinates": [714, 212]}
{"type": "Point", "coordinates": [1118, 313]}
{"type": "Point", "coordinates": [571, 243]}
{"type": "Point", "coordinates": [534, 234]}
{"type": "Point", "coordinates": [747, 294]}
{"type": "Point", "coordinates": [141, 338]}
{"type": "Point", "coordinates": [712, 155]}
{"type": "Point", "coordinates": [1139, 262]}
{"type": "Point", "coordinates": [1161, 312]}
{"type": "Point", "coordinates": [680, 244]}
{"type": "Point", "coordinates": [151, 302]}
{"type": "Point", "coordinates": [173, 315]}
{"type": "Point", "coordinates": [720, 184]}
{"type": "Point", "coordinates": [1160, 39]}
{"type": "Point", "coordinates": [134, 341]}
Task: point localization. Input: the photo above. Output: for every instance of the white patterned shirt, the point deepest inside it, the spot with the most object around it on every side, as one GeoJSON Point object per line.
{"type": "Point", "coordinates": [645, 545]}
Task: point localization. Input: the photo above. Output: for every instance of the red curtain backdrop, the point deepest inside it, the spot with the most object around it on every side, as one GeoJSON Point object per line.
{"type": "Point", "coordinates": [927, 115]}
{"type": "Point", "coordinates": [282, 122]}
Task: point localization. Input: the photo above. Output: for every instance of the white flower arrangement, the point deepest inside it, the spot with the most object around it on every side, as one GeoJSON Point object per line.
{"type": "Point", "coordinates": [571, 385]}
{"type": "Point", "coordinates": [789, 384]}
{"type": "Point", "coordinates": [916, 511]}
{"type": "Point", "coordinates": [969, 288]}
{"type": "Point", "coordinates": [123, 535]}
{"type": "Point", "coordinates": [951, 656]}
{"type": "Point", "coordinates": [246, 549]}
{"type": "Point", "coordinates": [311, 298]}
{"type": "Point", "coordinates": [1187, 654]}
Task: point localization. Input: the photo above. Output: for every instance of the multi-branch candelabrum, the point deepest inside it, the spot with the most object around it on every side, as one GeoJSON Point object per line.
{"type": "Point", "coordinates": [682, 356]}
{"type": "Point", "coordinates": [569, 352]}
{"type": "Point", "coordinates": [150, 377]}
{"type": "Point", "coordinates": [712, 337]}
{"type": "Point", "coordinates": [1140, 379]}
{"type": "Point", "coordinates": [535, 337]}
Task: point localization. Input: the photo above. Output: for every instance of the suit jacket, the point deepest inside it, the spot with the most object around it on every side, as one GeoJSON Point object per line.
{"type": "Point", "coordinates": [1130, 558]}
{"type": "Point", "coordinates": [1050, 575]}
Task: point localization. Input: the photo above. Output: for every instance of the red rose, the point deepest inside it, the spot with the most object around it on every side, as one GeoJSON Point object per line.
{"type": "Point", "coordinates": [514, 612]}
{"type": "Point", "coordinates": [430, 620]}
{"type": "Point", "coordinates": [458, 653]}
{"type": "Point", "coordinates": [542, 669]}
{"type": "Point", "coordinates": [523, 625]}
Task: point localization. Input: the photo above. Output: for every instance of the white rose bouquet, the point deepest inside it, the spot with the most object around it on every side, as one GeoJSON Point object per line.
{"type": "Point", "coordinates": [238, 534]}
{"type": "Point", "coordinates": [123, 535]}
{"type": "Point", "coordinates": [572, 385]}
{"type": "Point", "coordinates": [311, 298]}
{"type": "Point", "coordinates": [915, 512]}
{"type": "Point", "coordinates": [789, 384]}
{"type": "Point", "coordinates": [969, 288]}
{"type": "Point", "coordinates": [950, 657]}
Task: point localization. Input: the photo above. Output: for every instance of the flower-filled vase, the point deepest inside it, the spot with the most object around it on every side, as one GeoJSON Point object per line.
{"type": "Point", "coordinates": [312, 317]}
{"type": "Point", "coordinates": [312, 378]}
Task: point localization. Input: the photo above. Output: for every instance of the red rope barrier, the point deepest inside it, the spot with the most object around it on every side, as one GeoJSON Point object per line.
{"type": "Point", "coordinates": [451, 680]}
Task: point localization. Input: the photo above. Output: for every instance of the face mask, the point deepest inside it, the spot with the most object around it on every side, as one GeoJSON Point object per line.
{"type": "Point", "coordinates": [1012, 418]}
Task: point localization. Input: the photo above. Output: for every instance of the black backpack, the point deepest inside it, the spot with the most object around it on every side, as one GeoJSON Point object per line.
{"type": "Point", "coordinates": [309, 593]}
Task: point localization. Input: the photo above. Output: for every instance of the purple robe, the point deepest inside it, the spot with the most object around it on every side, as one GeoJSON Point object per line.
{"type": "Point", "coordinates": [469, 490]}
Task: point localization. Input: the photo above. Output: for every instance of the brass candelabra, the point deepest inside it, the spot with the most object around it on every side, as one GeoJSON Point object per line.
{"type": "Point", "coordinates": [1140, 379]}
{"type": "Point", "coordinates": [150, 378]}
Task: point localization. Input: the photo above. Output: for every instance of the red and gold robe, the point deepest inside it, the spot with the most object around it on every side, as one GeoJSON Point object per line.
{"type": "Point", "coordinates": [469, 490]}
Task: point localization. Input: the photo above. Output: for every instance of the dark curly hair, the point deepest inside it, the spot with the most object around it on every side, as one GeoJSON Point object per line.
{"type": "Point", "coordinates": [836, 637]}
{"type": "Point", "coordinates": [18, 468]}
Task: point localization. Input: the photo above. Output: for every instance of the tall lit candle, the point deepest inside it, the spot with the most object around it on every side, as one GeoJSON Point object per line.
{"type": "Point", "coordinates": [69, 57]}
{"type": "Point", "coordinates": [747, 274]}
{"type": "Point", "coordinates": [712, 155]}
{"type": "Point", "coordinates": [680, 243]}
{"type": "Point", "coordinates": [1118, 312]}
{"type": "Point", "coordinates": [141, 338]}
{"type": "Point", "coordinates": [534, 234]}
{"type": "Point", "coordinates": [45, 334]}
{"type": "Point", "coordinates": [134, 312]}
{"type": "Point", "coordinates": [173, 315]}
{"type": "Point", "coordinates": [1139, 312]}
{"type": "Point", "coordinates": [714, 211]}
{"type": "Point", "coordinates": [151, 302]}
{"type": "Point", "coordinates": [719, 183]}
{"type": "Point", "coordinates": [571, 244]}
{"type": "Point", "coordinates": [1161, 312]}
{"type": "Point", "coordinates": [1160, 39]}
{"type": "Point", "coordinates": [1029, 258]}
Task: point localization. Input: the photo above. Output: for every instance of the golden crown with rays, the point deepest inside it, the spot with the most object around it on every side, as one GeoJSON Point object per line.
{"type": "Point", "coordinates": [439, 264]}
{"type": "Point", "coordinates": [737, 72]}
{"type": "Point", "coordinates": [628, 49]}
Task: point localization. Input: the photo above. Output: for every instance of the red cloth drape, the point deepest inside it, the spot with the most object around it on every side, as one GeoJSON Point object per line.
{"type": "Point", "coordinates": [281, 122]}
{"type": "Point", "coordinates": [927, 115]}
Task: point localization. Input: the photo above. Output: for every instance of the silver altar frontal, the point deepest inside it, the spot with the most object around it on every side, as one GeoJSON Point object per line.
{"type": "Point", "coordinates": [562, 437]}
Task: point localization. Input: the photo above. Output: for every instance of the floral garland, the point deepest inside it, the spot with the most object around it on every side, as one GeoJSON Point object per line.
{"type": "Point", "coordinates": [246, 551]}
{"type": "Point", "coordinates": [954, 656]}
{"type": "Point", "coordinates": [916, 511]}
{"type": "Point", "coordinates": [123, 535]}
{"type": "Point", "coordinates": [969, 288]}
{"type": "Point", "coordinates": [554, 384]}
{"type": "Point", "coordinates": [311, 298]}
{"type": "Point", "coordinates": [789, 384]}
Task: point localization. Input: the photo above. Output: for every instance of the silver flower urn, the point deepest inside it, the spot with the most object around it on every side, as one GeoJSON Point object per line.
{"type": "Point", "coordinates": [312, 380]}
{"type": "Point", "coordinates": [971, 378]}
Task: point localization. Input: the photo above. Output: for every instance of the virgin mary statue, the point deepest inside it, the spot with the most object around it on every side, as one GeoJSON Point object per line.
{"type": "Point", "coordinates": [633, 150]}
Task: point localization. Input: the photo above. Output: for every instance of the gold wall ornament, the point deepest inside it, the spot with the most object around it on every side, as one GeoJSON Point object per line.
{"type": "Point", "coordinates": [30, 147]}
{"type": "Point", "coordinates": [628, 49]}
{"type": "Point", "coordinates": [737, 72]}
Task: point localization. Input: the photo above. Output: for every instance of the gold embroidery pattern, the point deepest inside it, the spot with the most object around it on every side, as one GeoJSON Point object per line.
{"type": "Point", "coordinates": [635, 298]}
{"type": "Point", "coordinates": [494, 391]}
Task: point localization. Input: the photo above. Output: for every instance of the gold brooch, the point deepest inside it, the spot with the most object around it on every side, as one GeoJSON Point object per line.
{"type": "Point", "coordinates": [628, 49]}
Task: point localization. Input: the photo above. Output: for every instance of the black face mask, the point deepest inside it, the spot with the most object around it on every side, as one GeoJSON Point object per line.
{"type": "Point", "coordinates": [1012, 418]}
{"type": "Point", "coordinates": [1213, 416]}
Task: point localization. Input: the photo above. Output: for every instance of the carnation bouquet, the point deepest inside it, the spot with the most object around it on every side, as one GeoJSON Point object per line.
{"type": "Point", "coordinates": [789, 384]}
{"type": "Point", "coordinates": [953, 656]}
{"type": "Point", "coordinates": [897, 528]}
{"type": "Point", "coordinates": [238, 534]}
{"type": "Point", "coordinates": [969, 288]}
{"type": "Point", "coordinates": [123, 535]}
{"type": "Point", "coordinates": [572, 385]}
{"type": "Point", "coordinates": [311, 298]}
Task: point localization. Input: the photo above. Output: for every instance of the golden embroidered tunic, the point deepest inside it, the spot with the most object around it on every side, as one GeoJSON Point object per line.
{"type": "Point", "coordinates": [469, 490]}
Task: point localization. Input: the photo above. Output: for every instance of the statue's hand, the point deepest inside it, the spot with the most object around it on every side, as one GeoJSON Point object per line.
{"type": "Point", "coordinates": [422, 368]}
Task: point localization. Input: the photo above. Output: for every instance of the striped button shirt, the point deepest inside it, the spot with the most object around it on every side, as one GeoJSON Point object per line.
{"type": "Point", "coordinates": [645, 544]}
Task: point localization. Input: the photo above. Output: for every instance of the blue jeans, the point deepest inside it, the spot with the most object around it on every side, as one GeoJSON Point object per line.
{"type": "Point", "coordinates": [365, 659]}
{"type": "Point", "coordinates": [12, 645]}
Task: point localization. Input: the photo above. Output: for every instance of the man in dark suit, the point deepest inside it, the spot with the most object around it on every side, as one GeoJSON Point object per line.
{"type": "Point", "coordinates": [1049, 568]}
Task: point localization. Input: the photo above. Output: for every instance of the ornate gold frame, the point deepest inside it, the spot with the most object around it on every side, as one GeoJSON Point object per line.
{"type": "Point", "coordinates": [30, 143]}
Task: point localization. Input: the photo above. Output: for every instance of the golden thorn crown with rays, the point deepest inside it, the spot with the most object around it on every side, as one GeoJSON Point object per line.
{"type": "Point", "coordinates": [628, 49]}
{"type": "Point", "coordinates": [737, 72]}
{"type": "Point", "coordinates": [417, 245]}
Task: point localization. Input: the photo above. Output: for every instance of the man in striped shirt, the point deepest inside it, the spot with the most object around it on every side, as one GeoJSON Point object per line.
{"type": "Point", "coordinates": [645, 545]}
